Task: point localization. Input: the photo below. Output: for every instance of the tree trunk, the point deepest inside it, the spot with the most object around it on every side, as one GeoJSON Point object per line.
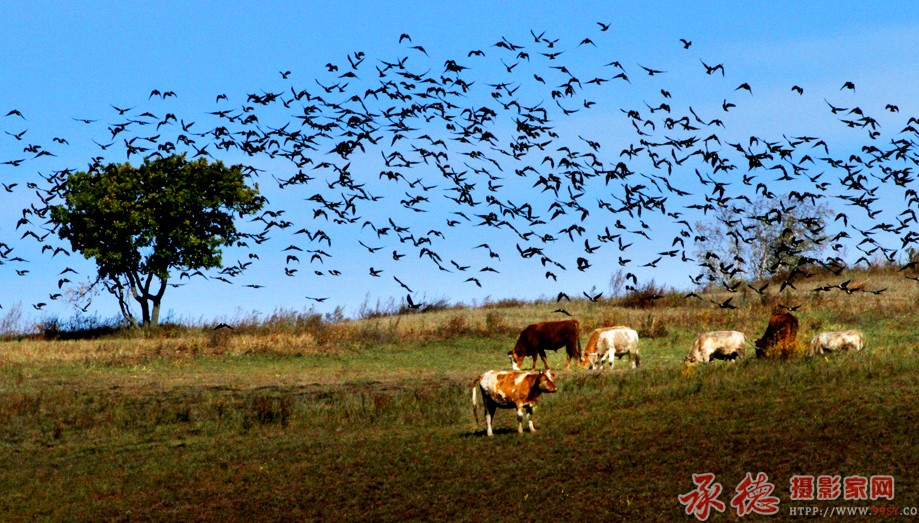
{"type": "Point", "coordinates": [155, 300]}
{"type": "Point", "coordinates": [149, 302]}
{"type": "Point", "coordinates": [144, 310]}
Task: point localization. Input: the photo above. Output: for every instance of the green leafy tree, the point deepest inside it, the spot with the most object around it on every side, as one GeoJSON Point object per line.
{"type": "Point", "coordinates": [139, 223]}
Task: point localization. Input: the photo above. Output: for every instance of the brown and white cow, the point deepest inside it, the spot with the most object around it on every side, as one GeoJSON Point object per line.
{"type": "Point", "coordinates": [606, 342]}
{"type": "Point", "coordinates": [511, 389]}
{"type": "Point", "coordinates": [718, 345]}
{"type": "Point", "coordinates": [537, 338]}
{"type": "Point", "coordinates": [836, 342]}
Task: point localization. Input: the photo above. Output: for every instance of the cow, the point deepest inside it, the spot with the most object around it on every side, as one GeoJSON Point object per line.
{"type": "Point", "coordinates": [606, 342]}
{"type": "Point", "coordinates": [780, 338]}
{"type": "Point", "coordinates": [537, 338]}
{"type": "Point", "coordinates": [510, 389]}
{"type": "Point", "coordinates": [836, 342]}
{"type": "Point", "coordinates": [718, 345]}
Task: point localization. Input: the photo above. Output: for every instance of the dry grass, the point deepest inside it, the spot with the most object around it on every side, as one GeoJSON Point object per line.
{"type": "Point", "coordinates": [302, 334]}
{"type": "Point", "coordinates": [301, 417]}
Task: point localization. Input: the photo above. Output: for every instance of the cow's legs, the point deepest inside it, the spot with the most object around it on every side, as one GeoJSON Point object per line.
{"type": "Point", "coordinates": [529, 412]}
{"type": "Point", "coordinates": [633, 357]}
{"type": "Point", "coordinates": [570, 350]}
{"type": "Point", "coordinates": [520, 415]}
{"type": "Point", "coordinates": [542, 354]}
{"type": "Point", "coordinates": [490, 409]}
{"type": "Point", "coordinates": [603, 359]}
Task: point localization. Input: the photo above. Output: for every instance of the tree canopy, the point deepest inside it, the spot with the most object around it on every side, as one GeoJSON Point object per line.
{"type": "Point", "coordinates": [761, 237]}
{"type": "Point", "coordinates": [139, 223]}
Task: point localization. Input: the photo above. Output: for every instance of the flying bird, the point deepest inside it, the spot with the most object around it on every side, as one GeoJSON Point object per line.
{"type": "Point", "coordinates": [651, 72]}
{"type": "Point", "coordinates": [726, 304]}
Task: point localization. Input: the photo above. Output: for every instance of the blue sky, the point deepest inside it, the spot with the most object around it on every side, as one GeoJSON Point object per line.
{"type": "Point", "coordinates": [67, 60]}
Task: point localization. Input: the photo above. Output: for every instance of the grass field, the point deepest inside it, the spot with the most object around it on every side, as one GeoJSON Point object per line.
{"type": "Point", "coordinates": [371, 419]}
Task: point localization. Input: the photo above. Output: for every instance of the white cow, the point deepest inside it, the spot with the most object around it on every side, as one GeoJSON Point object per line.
{"type": "Point", "coordinates": [836, 342]}
{"type": "Point", "coordinates": [718, 345]}
{"type": "Point", "coordinates": [606, 342]}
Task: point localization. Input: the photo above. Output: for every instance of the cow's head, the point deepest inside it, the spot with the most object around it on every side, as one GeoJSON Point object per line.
{"type": "Point", "coordinates": [516, 360]}
{"type": "Point", "coordinates": [590, 360]}
{"type": "Point", "coordinates": [546, 382]}
{"type": "Point", "coordinates": [760, 347]}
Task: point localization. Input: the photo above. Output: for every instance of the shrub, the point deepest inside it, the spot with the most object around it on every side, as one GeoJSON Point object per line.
{"type": "Point", "coordinates": [494, 324]}
{"type": "Point", "coordinates": [219, 337]}
{"type": "Point", "coordinates": [652, 327]}
{"type": "Point", "coordinates": [642, 296]}
{"type": "Point", "coordinates": [456, 325]}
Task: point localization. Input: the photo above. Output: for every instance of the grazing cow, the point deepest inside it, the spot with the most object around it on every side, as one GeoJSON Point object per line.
{"type": "Point", "coordinates": [718, 345]}
{"type": "Point", "coordinates": [780, 338]}
{"type": "Point", "coordinates": [606, 342]}
{"type": "Point", "coordinates": [537, 338]}
{"type": "Point", "coordinates": [836, 342]}
{"type": "Point", "coordinates": [511, 390]}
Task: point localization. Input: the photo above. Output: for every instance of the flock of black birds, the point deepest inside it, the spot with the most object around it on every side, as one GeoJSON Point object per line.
{"type": "Point", "coordinates": [411, 154]}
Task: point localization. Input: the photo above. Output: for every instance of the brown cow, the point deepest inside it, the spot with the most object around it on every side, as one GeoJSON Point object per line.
{"type": "Point", "coordinates": [511, 390]}
{"type": "Point", "coordinates": [780, 338]}
{"type": "Point", "coordinates": [537, 338]}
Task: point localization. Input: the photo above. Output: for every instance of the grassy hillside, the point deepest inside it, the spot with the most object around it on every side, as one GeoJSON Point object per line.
{"type": "Point", "coordinates": [371, 419]}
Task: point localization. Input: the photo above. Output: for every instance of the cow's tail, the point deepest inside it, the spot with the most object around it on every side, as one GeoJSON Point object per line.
{"type": "Point", "coordinates": [748, 344]}
{"type": "Point", "coordinates": [475, 406]}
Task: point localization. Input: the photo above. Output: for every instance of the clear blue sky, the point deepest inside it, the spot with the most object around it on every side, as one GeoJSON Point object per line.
{"type": "Point", "coordinates": [63, 61]}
